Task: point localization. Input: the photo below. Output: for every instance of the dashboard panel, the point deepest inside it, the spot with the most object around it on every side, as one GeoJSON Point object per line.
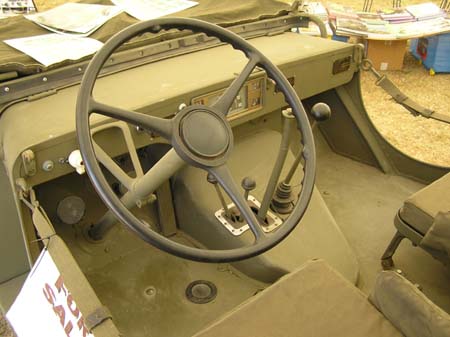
{"type": "Point", "coordinates": [46, 125]}
{"type": "Point", "coordinates": [249, 99]}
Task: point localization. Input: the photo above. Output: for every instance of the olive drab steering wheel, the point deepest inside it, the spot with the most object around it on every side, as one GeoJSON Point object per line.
{"type": "Point", "coordinates": [206, 150]}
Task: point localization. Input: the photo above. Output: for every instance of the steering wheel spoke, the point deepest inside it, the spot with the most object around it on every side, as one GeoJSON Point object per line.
{"type": "Point", "coordinates": [225, 101]}
{"type": "Point", "coordinates": [161, 126]}
{"type": "Point", "coordinates": [113, 167]}
{"type": "Point", "coordinates": [225, 179]}
{"type": "Point", "coordinates": [163, 170]}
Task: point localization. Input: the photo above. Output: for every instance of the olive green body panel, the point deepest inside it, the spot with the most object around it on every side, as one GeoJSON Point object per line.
{"type": "Point", "coordinates": [10, 289]}
{"type": "Point", "coordinates": [14, 259]}
{"type": "Point", "coordinates": [46, 126]}
{"type": "Point", "coordinates": [400, 163]}
{"type": "Point", "coordinates": [159, 88]}
{"type": "Point", "coordinates": [362, 141]}
{"type": "Point", "coordinates": [316, 236]}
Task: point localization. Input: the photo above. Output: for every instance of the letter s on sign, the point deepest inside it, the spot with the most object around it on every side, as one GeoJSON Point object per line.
{"type": "Point", "coordinates": [49, 294]}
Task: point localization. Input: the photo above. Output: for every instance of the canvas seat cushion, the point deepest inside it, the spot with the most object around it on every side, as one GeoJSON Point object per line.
{"type": "Point", "coordinates": [313, 301]}
{"type": "Point", "coordinates": [420, 210]}
{"type": "Point", "coordinates": [408, 308]}
{"type": "Point", "coordinates": [437, 240]}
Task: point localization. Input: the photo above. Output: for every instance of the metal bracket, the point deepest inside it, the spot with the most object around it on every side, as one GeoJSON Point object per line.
{"type": "Point", "coordinates": [97, 317]}
{"type": "Point", "coordinates": [40, 219]}
{"type": "Point", "coordinates": [29, 162]}
{"type": "Point", "coordinates": [273, 221]}
{"type": "Point", "coordinates": [358, 54]}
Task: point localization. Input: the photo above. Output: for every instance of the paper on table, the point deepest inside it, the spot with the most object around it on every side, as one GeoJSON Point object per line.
{"type": "Point", "coordinates": [49, 49]}
{"type": "Point", "coordinates": [75, 18]}
{"type": "Point", "coordinates": [44, 306]}
{"type": "Point", "coordinates": [151, 9]}
{"type": "Point", "coordinates": [425, 10]}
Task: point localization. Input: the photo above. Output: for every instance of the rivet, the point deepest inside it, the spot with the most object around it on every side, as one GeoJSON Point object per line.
{"type": "Point", "coordinates": [150, 291]}
{"type": "Point", "coordinates": [44, 79]}
{"type": "Point", "coordinates": [48, 165]}
{"type": "Point", "coordinates": [6, 89]}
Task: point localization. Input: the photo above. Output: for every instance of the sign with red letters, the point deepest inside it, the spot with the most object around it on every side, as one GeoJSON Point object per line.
{"type": "Point", "coordinates": [44, 306]}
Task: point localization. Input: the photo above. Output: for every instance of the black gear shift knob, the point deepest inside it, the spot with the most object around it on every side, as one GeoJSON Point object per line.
{"type": "Point", "coordinates": [248, 184]}
{"type": "Point", "coordinates": [321, 112]}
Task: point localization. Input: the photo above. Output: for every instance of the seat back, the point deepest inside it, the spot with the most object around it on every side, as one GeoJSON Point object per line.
{"type": "Point", "coordinates": [407, 308]}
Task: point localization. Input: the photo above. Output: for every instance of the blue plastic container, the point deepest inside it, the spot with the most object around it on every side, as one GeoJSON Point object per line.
{"type": "Point", "coordinates": [434, 52]}
{"type": "Point", "coordinates": [339, 38]}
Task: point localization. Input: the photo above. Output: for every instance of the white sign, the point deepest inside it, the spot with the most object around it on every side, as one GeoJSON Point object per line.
{"type": "Point", "coordinates": [45, 307]}
{"type": "Point", "coordinates": [152, 9]}
{"type": "Point", "coordinates": [75, 18]}
{"type": "Point", "coordinates": [49, 49]}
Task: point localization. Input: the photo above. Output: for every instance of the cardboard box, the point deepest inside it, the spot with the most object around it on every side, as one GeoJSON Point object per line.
{"type": "Point", "coordinates": [386, 55]}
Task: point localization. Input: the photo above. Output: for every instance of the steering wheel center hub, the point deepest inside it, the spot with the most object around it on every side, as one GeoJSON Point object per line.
{"type": "Point", "coordinates": [205, 133]}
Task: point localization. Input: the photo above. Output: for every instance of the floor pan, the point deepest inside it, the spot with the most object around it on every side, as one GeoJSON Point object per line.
{"type": "Point", "coordinates": [145, 288]}
{"type": "Point", "coordinates": [364, 204]}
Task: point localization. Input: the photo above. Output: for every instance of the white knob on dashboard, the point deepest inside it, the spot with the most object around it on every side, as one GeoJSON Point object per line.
{"type": "Point", "coordinates": [76, 161]}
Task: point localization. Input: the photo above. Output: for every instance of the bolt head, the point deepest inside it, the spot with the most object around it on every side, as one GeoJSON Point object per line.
{"type": "Point", "coordinates": [48, 165]}
{"type": "Point", "coordinates": [211, 179]}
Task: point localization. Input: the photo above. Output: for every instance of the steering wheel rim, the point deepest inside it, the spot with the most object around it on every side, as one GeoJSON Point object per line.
{"type": "Point", "coordinates": [86, 105]}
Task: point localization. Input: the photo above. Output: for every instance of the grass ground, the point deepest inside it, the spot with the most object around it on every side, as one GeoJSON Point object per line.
{"type": "Point", "coordinates": [425, 139]}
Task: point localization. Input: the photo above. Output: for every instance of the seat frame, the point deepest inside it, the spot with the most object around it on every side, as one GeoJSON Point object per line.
{"type": "Point", "coordinates": [404, 230]}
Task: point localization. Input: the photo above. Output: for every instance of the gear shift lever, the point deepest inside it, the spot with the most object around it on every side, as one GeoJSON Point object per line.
{"type": "Point", "coordinates": [248, 184]}
{"type": "Point", "coordinates": [282, 200]}
{"type": "Point", "coordinates": [212, 180]}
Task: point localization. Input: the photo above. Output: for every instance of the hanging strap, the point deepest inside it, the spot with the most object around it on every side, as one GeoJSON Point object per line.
{"type": "Point", "coordinates": [97, 317]}
{"type": "Point", "coordinates": [413, 107]}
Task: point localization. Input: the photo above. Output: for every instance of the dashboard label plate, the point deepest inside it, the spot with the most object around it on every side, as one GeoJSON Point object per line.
{"type": "Point", "coordinates": [249, 99]}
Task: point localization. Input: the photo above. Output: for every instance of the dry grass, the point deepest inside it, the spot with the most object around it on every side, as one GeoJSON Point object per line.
{"type": "Point", "coordinates": [43, 5]}
{"type": "Point", "coordinates": [425, 139]}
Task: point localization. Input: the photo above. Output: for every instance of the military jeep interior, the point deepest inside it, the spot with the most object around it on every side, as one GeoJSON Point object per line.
{"type": "Point", "coordinates": [215, 173]}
